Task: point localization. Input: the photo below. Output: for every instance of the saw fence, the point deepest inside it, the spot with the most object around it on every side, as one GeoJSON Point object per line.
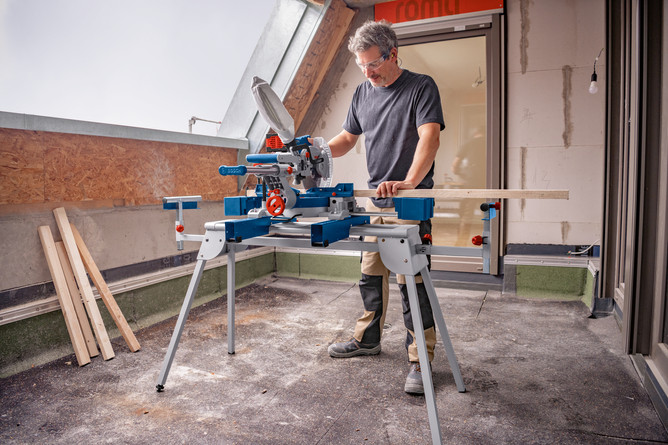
{"type": "Point", "coordinates": [69, 262]}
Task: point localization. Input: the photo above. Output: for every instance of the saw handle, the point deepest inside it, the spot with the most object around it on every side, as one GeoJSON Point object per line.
{"type": "Point", "coordinates": [237, 170]}
{"type": "Point", "coordinates": [262, 158]}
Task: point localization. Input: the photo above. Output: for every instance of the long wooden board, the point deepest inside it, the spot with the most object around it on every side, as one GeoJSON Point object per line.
{"type": "Point", "coordinates": [76, 300]}
{"type": "Point", "coordinates": [82, 281]}
{"type": "Point", "coordinates": [105, 293]}
{"type": "Point", "coordinates": [63, 293]}
{"type": "Point", "coordinates": [473, 193]}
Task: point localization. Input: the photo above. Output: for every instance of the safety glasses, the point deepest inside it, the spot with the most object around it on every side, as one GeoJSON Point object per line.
{"type": "Point", "coordinates": [374, 64]}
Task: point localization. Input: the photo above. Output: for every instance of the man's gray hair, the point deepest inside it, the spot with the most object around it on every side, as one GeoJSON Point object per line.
{"type": "Point", "coordinates": [371, 34]}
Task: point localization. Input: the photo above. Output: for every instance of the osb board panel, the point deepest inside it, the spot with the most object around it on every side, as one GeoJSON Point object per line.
{"type": "Point", "coordinates": [21, 167]}
{"type": "Point", "coordinates": [39, 167]}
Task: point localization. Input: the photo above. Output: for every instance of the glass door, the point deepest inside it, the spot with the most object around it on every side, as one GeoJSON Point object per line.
{"type": "Point", "coordinates": [459, 69]}
{"type": "Point", "coordinates": [459, 66]}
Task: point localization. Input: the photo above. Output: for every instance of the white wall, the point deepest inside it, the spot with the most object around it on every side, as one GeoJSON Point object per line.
{"type": "Point", "coordinates": [560, 37]}
{"type": "Point", "coordinates": [352, 166]}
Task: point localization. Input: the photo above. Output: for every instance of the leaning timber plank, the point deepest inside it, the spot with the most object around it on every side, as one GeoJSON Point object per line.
{"type": "Point", "coordinates": [82, 282]}
{"type": "Point", "coordinates": [76, 300]}
{"type": "Point", "coordinates": [64, 298]}
{"type": "Point", "coordinates": [105, 293]}
{"type": "Point", "coordinates": [473, 193]}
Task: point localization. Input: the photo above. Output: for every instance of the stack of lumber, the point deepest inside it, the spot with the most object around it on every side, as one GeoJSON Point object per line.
{"type": "Point", "coordinates": [68, 261]}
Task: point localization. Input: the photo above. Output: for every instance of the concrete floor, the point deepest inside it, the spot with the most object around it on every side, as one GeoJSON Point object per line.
{"type": "Point", "coordinates": [536, 372]}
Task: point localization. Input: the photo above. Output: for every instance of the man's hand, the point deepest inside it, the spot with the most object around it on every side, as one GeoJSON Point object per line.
{"type": "Point", "coordinates": [390, 188]}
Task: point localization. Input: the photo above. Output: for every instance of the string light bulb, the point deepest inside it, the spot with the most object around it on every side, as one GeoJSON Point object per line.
{"type": "Point", "coordinates": [593, 86]}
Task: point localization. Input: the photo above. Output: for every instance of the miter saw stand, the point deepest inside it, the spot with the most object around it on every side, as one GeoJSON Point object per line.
{"type": "Point", "coordinates": [400, 247]}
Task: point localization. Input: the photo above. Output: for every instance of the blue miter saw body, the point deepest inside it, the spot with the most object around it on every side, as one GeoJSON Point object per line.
{"type": "Point", "coordinates": [302, 161]}
{"type": "Point", "coordinates": [275, 201]}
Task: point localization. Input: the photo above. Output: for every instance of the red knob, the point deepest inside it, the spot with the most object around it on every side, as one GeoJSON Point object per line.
{"type": "Point", "coordinates": [497, 205]}
{"type": "Point", "coordinates": [477, 240]}
{"type": "Point", "coordinates": [427, 237]}
{"type": "Point", "coordinates": [180, 228]}
{"type": "Point", "coordinates": [275, 205]}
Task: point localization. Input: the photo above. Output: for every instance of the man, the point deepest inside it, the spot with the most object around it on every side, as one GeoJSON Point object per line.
{"type": "Point", "coordinates": [400, 114]}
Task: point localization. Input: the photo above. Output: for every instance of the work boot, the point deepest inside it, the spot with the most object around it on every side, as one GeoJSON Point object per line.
{"type": "Point", "coordinates": [414, 380]}
{"type": "Point", "coordinates": [351, 348]}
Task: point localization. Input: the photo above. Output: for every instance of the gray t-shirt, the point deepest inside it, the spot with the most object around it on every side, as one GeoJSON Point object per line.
{"type": "Point", "coordinates": [389, 118]}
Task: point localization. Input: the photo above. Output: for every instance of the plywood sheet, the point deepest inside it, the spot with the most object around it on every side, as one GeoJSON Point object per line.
{"type": "Point", "coordinates": [43, 167]}
{"type": "Point", "coordinates": [21, 167]}
{"type": "Point", "coordinates": [137, 171]}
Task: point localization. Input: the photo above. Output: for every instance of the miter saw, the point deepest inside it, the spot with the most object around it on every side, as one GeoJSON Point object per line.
{"type": "Point", "coordinates": [305, 161]}
{"type": "Point", "coordinates": [308, 163]}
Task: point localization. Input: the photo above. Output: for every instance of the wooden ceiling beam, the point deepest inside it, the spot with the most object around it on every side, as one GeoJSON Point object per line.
{"type": "Point", "coordinates": [333, 30]}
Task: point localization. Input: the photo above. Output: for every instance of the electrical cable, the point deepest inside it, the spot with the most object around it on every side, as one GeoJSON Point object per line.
{"type": "Point", "coordinates": [582, 252]}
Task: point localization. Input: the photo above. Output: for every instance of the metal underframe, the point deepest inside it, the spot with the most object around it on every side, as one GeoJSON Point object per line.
{"type": "Point", "coordinates": [401, 251]}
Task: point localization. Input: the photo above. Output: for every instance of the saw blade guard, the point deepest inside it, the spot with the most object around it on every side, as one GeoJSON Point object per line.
{"type": "Point", "coordinates": [272, 110]}
{"type": "Point", "coordinates": [323, 172]}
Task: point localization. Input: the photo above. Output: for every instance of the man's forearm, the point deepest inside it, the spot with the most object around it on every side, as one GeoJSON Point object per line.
{"type": "Point", "coordinates": [425, 154]}
{"type": "Point", "coordinates": [342, 143]}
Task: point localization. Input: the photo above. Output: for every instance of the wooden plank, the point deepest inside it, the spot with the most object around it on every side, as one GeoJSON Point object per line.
{"type": "Point", "coordinates": [73, 328]}
{"type": "Point", "coordinates": [82, 282]}
{"type": "Point", "coordinates": [76, 300]}
{"type": "Point", "coordinates": [473, 193]}
{"type": "Point", "coordinates": [105, 293]}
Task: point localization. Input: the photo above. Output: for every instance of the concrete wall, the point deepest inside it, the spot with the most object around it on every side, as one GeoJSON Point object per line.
{"type": "Point", "coordinates": [554, 127]}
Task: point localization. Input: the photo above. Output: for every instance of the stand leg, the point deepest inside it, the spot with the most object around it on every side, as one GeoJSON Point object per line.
{"type": "Point", "coordinates": [442, 328]}
{"type": "Point", "coordinates": [427, 381]}
{"type": "Point", "coordinates": [231, 272]}
{"type": "Point", "coordinates": [180, 323]}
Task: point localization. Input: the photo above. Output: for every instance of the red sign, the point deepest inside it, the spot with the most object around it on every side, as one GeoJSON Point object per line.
{"type": "Point", "coordinates": [408, 10]}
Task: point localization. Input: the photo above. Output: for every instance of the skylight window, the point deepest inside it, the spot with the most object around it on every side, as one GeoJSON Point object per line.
{"type": "Point", "coordinates": [152, 64]}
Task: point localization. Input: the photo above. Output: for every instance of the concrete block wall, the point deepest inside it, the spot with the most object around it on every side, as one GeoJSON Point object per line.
{"type": "Point", "coordinates": [555, 128]}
